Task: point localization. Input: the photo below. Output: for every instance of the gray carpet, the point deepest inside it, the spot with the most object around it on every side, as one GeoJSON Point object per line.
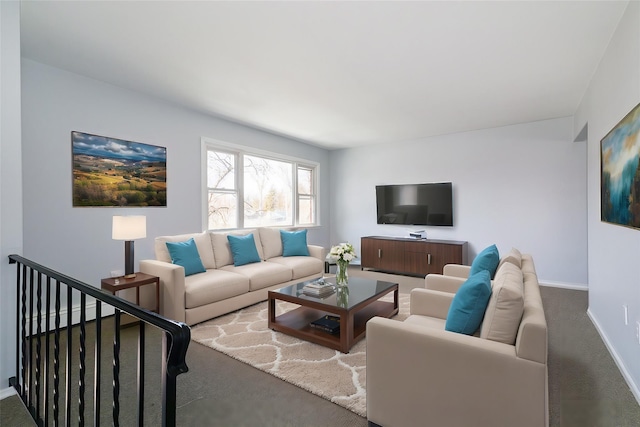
{"type": "Point", "coordinates": [585, 386]}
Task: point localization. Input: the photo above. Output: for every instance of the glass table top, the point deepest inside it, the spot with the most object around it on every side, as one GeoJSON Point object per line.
{"type": "Point", "coordinates": [359, 290]}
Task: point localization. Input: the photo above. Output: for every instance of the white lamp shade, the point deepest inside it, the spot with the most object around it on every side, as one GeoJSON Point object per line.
{"type": "Point", "coordinates": [129, 227]}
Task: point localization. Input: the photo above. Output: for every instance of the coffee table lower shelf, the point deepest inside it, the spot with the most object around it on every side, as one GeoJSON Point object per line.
{"type": "Point", "coordinates": [353, 325]}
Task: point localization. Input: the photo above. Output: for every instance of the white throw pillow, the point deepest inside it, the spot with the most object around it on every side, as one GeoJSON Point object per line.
{"type": "Point", "coordinates": [506, 306]}
{"type": "Point", "coordinates": [513, 256]}
{"type": "Point", "coordinates": [271, 242]}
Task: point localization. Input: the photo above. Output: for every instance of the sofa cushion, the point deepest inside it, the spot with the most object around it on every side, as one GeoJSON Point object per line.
{"type": "Point", "coordinates": [294, 243]}
{"type": "Point", "coordinates": [243, 249]}
{"type": "Point", "coordinates": [301, 266]}
{"type": "Point", "coordinates": [212, 286]}
{"type": "Point", "coordinates": [271, 242]}
{"type": "Point", "coordinates": [487, 259]}
{"type": "Point", "coordinates": [186, 255]}
{"type": "Point", "coordinates": [506, 305]}
{"type": "Point", "coordinates": [262, 274]}
{"type": "Point", "coordinates": [203, 243]}
{"type": "Point", "coordinates": [469, 304]}
{"type": "Point", "coordinates": [222, 249]}
{"type": "Point", "coordinates": [513, 256]}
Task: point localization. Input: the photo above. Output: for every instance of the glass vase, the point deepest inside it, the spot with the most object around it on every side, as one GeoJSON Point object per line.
{"type": "Point", "coordinates": [342, 275]}
{"type": "Point", "coordinates": [342, 296]}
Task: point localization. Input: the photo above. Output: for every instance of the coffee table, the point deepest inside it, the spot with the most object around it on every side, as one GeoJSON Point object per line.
{"type": "Point", "coordinates": [362, 304]}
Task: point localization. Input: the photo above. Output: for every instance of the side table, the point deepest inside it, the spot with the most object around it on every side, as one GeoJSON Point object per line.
{"type": "Point", "coordinates": [141, 279]}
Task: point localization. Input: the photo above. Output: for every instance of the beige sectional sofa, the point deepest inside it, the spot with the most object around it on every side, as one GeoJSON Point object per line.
{"type": "Point", "coordinates": [418, 373]}
{"type": "Point", "coordinates": [223, 287]}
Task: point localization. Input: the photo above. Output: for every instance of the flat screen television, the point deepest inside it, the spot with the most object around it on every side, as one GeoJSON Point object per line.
{"type": "Point", "coordinates": [415, 204]}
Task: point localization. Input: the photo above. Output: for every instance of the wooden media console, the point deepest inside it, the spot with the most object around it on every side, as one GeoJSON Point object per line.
{"type": "Point", "coordinates": [410, 256]}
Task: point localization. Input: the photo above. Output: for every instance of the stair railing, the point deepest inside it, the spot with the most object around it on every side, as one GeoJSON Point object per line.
{"type": "Point", "coordinates": [37, 379]}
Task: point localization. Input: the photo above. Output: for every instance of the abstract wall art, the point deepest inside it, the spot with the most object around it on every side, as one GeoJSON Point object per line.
{"type": "Point", "coordinates": [620, 173]}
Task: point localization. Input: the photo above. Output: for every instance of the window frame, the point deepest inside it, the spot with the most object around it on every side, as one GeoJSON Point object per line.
{"type": "Point", "coordinates": [313, 195]}
{"type": "Point", "coordinates": [239, 151]}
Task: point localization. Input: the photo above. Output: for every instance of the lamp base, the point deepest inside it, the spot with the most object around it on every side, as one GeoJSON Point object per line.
{"type": "Point", "coordinates": [129, 272]}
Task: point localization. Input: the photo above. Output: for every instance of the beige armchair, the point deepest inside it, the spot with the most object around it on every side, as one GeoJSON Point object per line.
{"type": "Point", "coordinates": [420, 374]}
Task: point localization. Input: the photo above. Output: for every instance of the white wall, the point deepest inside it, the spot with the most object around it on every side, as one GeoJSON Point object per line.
{"type": "Point", "coordinates": [10, 180]}
{"type": "Point", "coordinates": [614, 251]}
{"type": "Point", "coordinates": [520, 186]}
{"type": "Point", "coordinates": [77, 241]}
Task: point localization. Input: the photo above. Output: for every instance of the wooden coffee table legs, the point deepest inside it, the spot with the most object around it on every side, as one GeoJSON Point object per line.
{"type": "Point", "coordinates": [353, 321]}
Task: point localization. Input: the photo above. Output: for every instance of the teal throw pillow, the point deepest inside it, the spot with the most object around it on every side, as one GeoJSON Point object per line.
{"type": "Point", "coordinates": [469, 304]}
{"type": "Point", "coordinates": [294, 243]}
{"type": "Point", "coordinates": [488, 260]}
{"type": "Point", "coordinates": [243, 249]}
{"type": "Point", "coordinates": [186, 254]}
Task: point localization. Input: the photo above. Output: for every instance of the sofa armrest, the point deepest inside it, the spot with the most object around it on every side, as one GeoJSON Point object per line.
{"type": "Point", "coordinates": [172, 290]}
{"type": "Point", "coordinates": [439, 282]}
{"type": "Point", "coordinates": [456, 270]}
{"type": "Point", "coordinates": [430, 303]}
{"type": "Point", "coordinates": [415, 372]}
{"type": "Point", "coordinates": [317, 252]}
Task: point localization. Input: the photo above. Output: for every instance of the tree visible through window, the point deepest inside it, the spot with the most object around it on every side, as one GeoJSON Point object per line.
{"type": "Point", "coordinates": [222, 190]}
{"type": "Point", "coordinates": [272, 191]}
{"type": "Point", "coordinates": [267, 192]}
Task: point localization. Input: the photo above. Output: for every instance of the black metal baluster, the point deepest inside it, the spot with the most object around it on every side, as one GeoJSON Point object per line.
{"type": "Point", "coordinates": [31, 365]}
{"type": "Point", "coordinates": [47, 354]}
{"type": "Point", "coordinates": [38, 343]}
{"type": "Point", "coordinates": [81, 355]}
{"type": "Point", "coordinates": [16, 380]}
{"type": "Point", "coordinates": [56, 360]}
{"type": "Point", "coordinates": [30, 359]}
{"type": "Point", "coordinates": [24, 333]}
{"type": "Point", "coordinates": [116, 370]}
{"type": "Point", "coordinates": [96, 380]}
{"type": "Point", "coordinates": [168, 384]}
{"type": "Point", "coordinates": [141, 343]}
{"type": "Point", "coordinates": [69, 357]}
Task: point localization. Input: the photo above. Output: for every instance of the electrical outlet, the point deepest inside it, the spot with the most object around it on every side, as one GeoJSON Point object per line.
{"type": "Point", "coordinates": [117, 273]}
{"type": "Point", "coordinates": [625, 308]}
{"type": "Point", "coordinates": [638, 331]}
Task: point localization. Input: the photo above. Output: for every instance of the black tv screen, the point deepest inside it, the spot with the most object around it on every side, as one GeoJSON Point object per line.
{"type": "Point", "coordinates": [415, 204]}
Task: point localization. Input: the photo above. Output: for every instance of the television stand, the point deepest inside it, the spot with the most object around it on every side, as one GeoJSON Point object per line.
{"type": "Point", "coordinates": [411, 256]}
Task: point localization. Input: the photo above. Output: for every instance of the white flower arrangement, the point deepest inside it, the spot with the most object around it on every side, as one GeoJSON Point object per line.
{"type": "Point", "coordinates": [343, 252]}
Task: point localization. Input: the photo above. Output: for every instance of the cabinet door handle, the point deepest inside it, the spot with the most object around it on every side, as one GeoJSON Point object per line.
{"type": "Point", "coordinates": [379, 253]}
{"type": "Point", "coordinates": [429, 259]}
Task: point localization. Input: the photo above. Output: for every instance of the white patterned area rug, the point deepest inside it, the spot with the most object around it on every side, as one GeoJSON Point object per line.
{"type": "Point", "coordinates": [335, 376]}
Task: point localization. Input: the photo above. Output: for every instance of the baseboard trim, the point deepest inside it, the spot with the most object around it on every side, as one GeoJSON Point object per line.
{"type": "Point", "coordinates": [564, 285]}
{"type": "Point", "coordinates": [90, 313]}
{"type": "Point", "coordinates": [7, 392]}
{"type": "Point", "coordinates": [619, 362]}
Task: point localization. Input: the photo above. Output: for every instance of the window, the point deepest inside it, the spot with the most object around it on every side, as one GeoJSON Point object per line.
{"type": "Point", "coordinates": [222, 190]}
{"type": "Point", "coordinates": [246, 189]}
{"type": "Point", "coordinates": [306, 196]}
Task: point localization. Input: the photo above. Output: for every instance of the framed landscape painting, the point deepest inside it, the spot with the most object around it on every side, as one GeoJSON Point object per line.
{"type": "Point", "coordinates": [620, 176]}
{"type": "Point", "coordinates": [114, 172]}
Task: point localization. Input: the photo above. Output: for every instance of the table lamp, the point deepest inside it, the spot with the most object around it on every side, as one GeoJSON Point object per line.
{"type": "Point", "coordinates": [129, 228]}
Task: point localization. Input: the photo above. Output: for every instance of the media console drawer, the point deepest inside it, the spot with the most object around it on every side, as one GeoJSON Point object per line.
{"type": "Point", "coordinates": [411, 256]}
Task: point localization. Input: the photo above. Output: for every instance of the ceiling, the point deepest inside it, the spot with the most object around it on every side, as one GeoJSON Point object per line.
{"type": "Point", "coordinates": [336, 73]}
